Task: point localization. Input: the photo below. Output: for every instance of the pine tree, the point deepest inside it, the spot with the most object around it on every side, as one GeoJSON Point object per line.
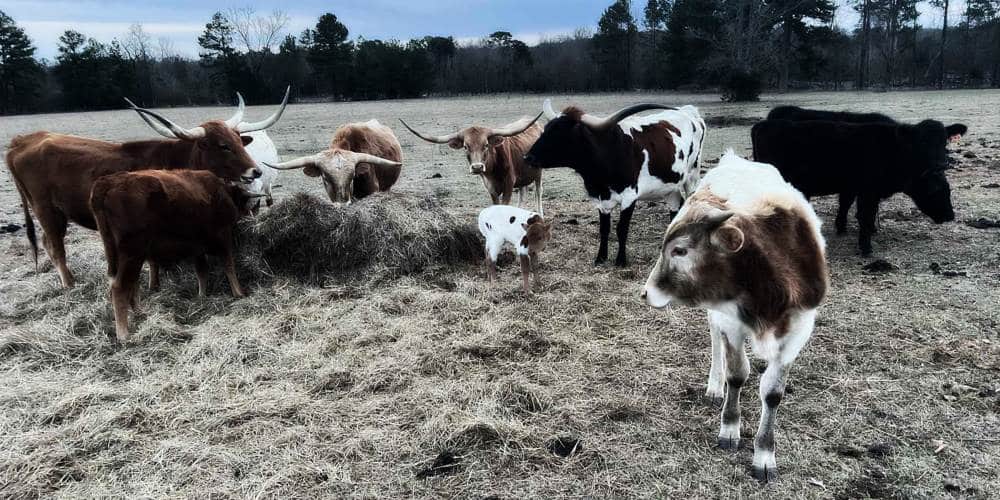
{"type": "Point", "coordinates": [614, 42]}
{"type": "Point", "coordinates": [20, 74]}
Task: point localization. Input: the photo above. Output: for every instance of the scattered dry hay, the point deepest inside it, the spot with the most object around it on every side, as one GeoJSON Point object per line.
{"type": "Point", "coordinates": [307, 237]}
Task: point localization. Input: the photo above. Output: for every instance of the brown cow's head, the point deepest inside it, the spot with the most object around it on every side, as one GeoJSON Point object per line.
{"type": "Point", "coordinates": [339, 168]}
{"type": "Point", "coordinates": [537, 234]}
{"type": "Point", "coordinates": [693, 267]}
{"type": "Point", "coordinates": [220, 148]}
{"type": "Point", "coordinates": [479, 143]}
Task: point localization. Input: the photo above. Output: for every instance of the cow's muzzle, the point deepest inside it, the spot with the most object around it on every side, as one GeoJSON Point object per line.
{"type": "Point", "coordinates": [255, 173]}
{"type": "Point", "coordinates": [477, 168]}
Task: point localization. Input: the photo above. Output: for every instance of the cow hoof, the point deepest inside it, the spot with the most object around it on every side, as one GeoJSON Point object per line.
{"type": "Point", "coordinates": [727, 443]}
{"type": "Point", "coordinates": [765, 474]}
{"type": "Point", "coordinates": [600, 261]}
{"type": "Point", "coordinates": [621, 262]}
{"type": "Point", "coordinates": [713, 400]}
{"type": "Point", "coordinates": [841, 231]}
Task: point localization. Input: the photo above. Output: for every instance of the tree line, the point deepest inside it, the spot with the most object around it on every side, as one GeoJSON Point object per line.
{"type": "Point", "coordinates": [738, 46]}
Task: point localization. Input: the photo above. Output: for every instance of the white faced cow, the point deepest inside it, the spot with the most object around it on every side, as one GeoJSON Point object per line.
{"type": "Point", "coordinates": [746, 247]}
{"type": "Point", "coordinates": [625, 158]}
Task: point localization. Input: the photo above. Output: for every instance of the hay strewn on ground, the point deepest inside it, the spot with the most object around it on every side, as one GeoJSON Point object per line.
{"type": "Point", "coordinates": [435, 384]}
{"type": "Point", "coordinates": [307, 237]}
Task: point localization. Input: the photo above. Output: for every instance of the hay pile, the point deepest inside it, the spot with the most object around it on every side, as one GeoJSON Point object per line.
{"type": "Point", "coordinates": [307, 237]}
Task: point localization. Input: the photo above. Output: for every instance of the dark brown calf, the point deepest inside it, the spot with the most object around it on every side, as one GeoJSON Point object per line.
{"type": "Point", "coordinates": [162, 216]}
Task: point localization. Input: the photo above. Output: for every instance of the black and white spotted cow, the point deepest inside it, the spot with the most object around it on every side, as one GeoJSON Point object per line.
{"type": "Point", "coordinates": [625, 158]}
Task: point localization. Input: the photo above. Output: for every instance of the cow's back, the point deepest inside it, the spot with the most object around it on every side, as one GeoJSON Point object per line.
{"type": "Point", "coordinates": [823, 157]}
{"type": "Point", "coordinates": [373, 138]}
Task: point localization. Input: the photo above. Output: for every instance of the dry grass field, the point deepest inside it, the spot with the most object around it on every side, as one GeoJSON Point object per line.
{"type": "Point", "coordinates": [430, 383]}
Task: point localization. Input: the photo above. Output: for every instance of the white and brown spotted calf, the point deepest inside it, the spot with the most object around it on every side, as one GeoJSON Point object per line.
{"type": "Point", "coordinates": [526, 231]}
{"type": "Point", "coordinates": [746, 247]}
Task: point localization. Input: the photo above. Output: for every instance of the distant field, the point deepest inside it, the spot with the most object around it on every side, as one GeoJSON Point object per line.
{"type": "Point", "coordinates": [355, 387]}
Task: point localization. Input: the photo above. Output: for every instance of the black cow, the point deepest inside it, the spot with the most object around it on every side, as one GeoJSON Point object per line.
{"type": "Point", "coordinates": [796, 113]}
{"type": "Point", "coordinates": [870, 161]}
{"type": "Point", "coordinates": [623, 160]}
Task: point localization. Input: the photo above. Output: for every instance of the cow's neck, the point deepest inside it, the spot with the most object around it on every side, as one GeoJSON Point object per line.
{"type": "Point", "coordinates": [166, 154]}
{"type": "Point", "coordinates": [606, 157]}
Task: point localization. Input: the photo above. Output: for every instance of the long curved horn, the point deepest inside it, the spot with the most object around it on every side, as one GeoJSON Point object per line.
{"type": "Point", "coordinates": [238, 117]}
{"type": "Point", "coordinates": [375, 160]}
{"type": "Point", "coordinates": [516, 127]}
{"type": "Point", "coordinates": [605, 123]}
{"type": "Point", "coordinates": [269, 121]}
{"type": "Point", "coordinates": [436, 139]}
{"type": "Point", "coordinates": [297, 163]}
{"type": "Point", "coordinates": [160, 129]}
{"type": "Point", "coordinates": [176, 130]}
{"type": "Point", "coordinates": [548, 111]}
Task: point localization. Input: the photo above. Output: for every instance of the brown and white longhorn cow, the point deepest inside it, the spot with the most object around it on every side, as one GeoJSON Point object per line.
{"type": "Point", "coordinates": [55, 173]}
{"type": "Point", "coordinates": [363, 158]}
{"type": "Point", "coordinates": [497, 156]}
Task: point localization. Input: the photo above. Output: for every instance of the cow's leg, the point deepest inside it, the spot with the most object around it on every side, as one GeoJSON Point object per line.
{"type": "Point", "coordinates": [772, 389]}
{"type": "Point", "coordinates": [123, 287]}
{"type": "Point", "coordinates": [201, 270]}
{"type": "Point", "coordinates": [520, 196]}
{"type": "Point", "coordinates": [538, 196]}
{"type": "Point", "coordinates": [717, 373]}
{"type": "Point", "coordinates": [492, 251]}
{"type": "Point", "coordinates": [846, 200]}
{"type": "Point", "coordinates": [866, 213]}
{"type": "Point", "coordinates": [229, 262]}
{"type": "Point", "coordinates": [624, 221]}
{"type": "Point", "coordinates": [154, 276]}
{"type": "Point", "coordinates": [737, 370]}
{"type": "Point", "coordinates": [534, 268]}
{"type": "Point", "coordinates": [602, 251]}
{"type": "Point", "coordinates": [525, 272]}
{"type": "Point", "coordinates": [54, 225]}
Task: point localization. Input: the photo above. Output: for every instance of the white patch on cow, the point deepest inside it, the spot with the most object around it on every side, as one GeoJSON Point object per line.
{"type": "Point", "coordinates": [764, 459]}
{"type": "Point", "coordinates": [261, 150]}
{"type": "Point", "coordinates": [752, 188]}
{"type": "Point", "coordinates": [730, 432]}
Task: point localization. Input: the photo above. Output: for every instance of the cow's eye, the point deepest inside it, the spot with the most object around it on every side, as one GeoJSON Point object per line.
{"type": "Point", "coordinates": [678, 252]}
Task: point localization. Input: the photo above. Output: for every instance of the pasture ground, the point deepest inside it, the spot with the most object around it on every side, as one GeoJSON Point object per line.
{"type": "Point", "coordinates": [436, 384]}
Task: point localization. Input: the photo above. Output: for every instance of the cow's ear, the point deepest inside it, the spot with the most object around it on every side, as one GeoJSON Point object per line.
{"type": "Point", "coordinates": [496, 140]}
{"type": "Point", "coordinates": [729, 239]}
{"type": "Point", "coordinates": [456, 143]}
{"type": "Point", "coordinates": [246, 139]}
{"type": "Point", "coordinates": [312, 171]}
{"type": "Point", "coordinates": [956, 131]}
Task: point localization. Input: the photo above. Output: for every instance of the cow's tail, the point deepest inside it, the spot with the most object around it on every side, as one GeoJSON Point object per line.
{"type": "Point", "coordinates": [97, 198]}
{"type": "Point", "coordinates": [29, 223]}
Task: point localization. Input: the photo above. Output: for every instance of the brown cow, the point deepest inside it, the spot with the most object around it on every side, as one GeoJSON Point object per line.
{"type": "Point", "coordinates": [497, 156]}
{"type": "Point", "coordinates": [54, 173]}
{"type": "Point", "coordinates": [363, 158]}
{"type": "Point", "coordinates": [162, 216]}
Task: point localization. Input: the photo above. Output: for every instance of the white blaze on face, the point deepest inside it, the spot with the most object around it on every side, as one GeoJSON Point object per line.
{"type": "Point", "coordinates": [338, 179]}
{"type": "Point", "coordinates": [655, 297]}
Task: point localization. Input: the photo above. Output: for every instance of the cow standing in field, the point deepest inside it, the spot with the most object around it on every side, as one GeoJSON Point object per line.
{"type": "Point", "coordinates": [746, 247]}
{"type": "Point", "coordinates": [163, 216]}
{"type": "Point", "coordinates": [795, 113]}
{"type": "Point", "coordinates": [260, 148]}
{"type": "Point", "coordinates": [54, 173]}
{"type": "Point", "coordinates": [870, 161]}
{"type": "Point", "coordinates": [363, 158]}
{"type": "Point", "coordinates": [526, 231]}
{"type": "Point", "coordinates": [624, 158]}
{"type": "Point", "coordinates": [496, 155]}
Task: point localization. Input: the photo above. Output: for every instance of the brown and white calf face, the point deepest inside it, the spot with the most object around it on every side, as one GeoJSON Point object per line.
{"type": "Point", "coordinates": [537, 234]}
{"type": "Point", "coordinates": [338, 168]}
{"type": "Point", "coordinates": [694, 266]}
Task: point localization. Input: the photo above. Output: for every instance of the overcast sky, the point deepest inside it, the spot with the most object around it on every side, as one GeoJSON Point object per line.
{"type": "Point", "coordinates": [181, 21]}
